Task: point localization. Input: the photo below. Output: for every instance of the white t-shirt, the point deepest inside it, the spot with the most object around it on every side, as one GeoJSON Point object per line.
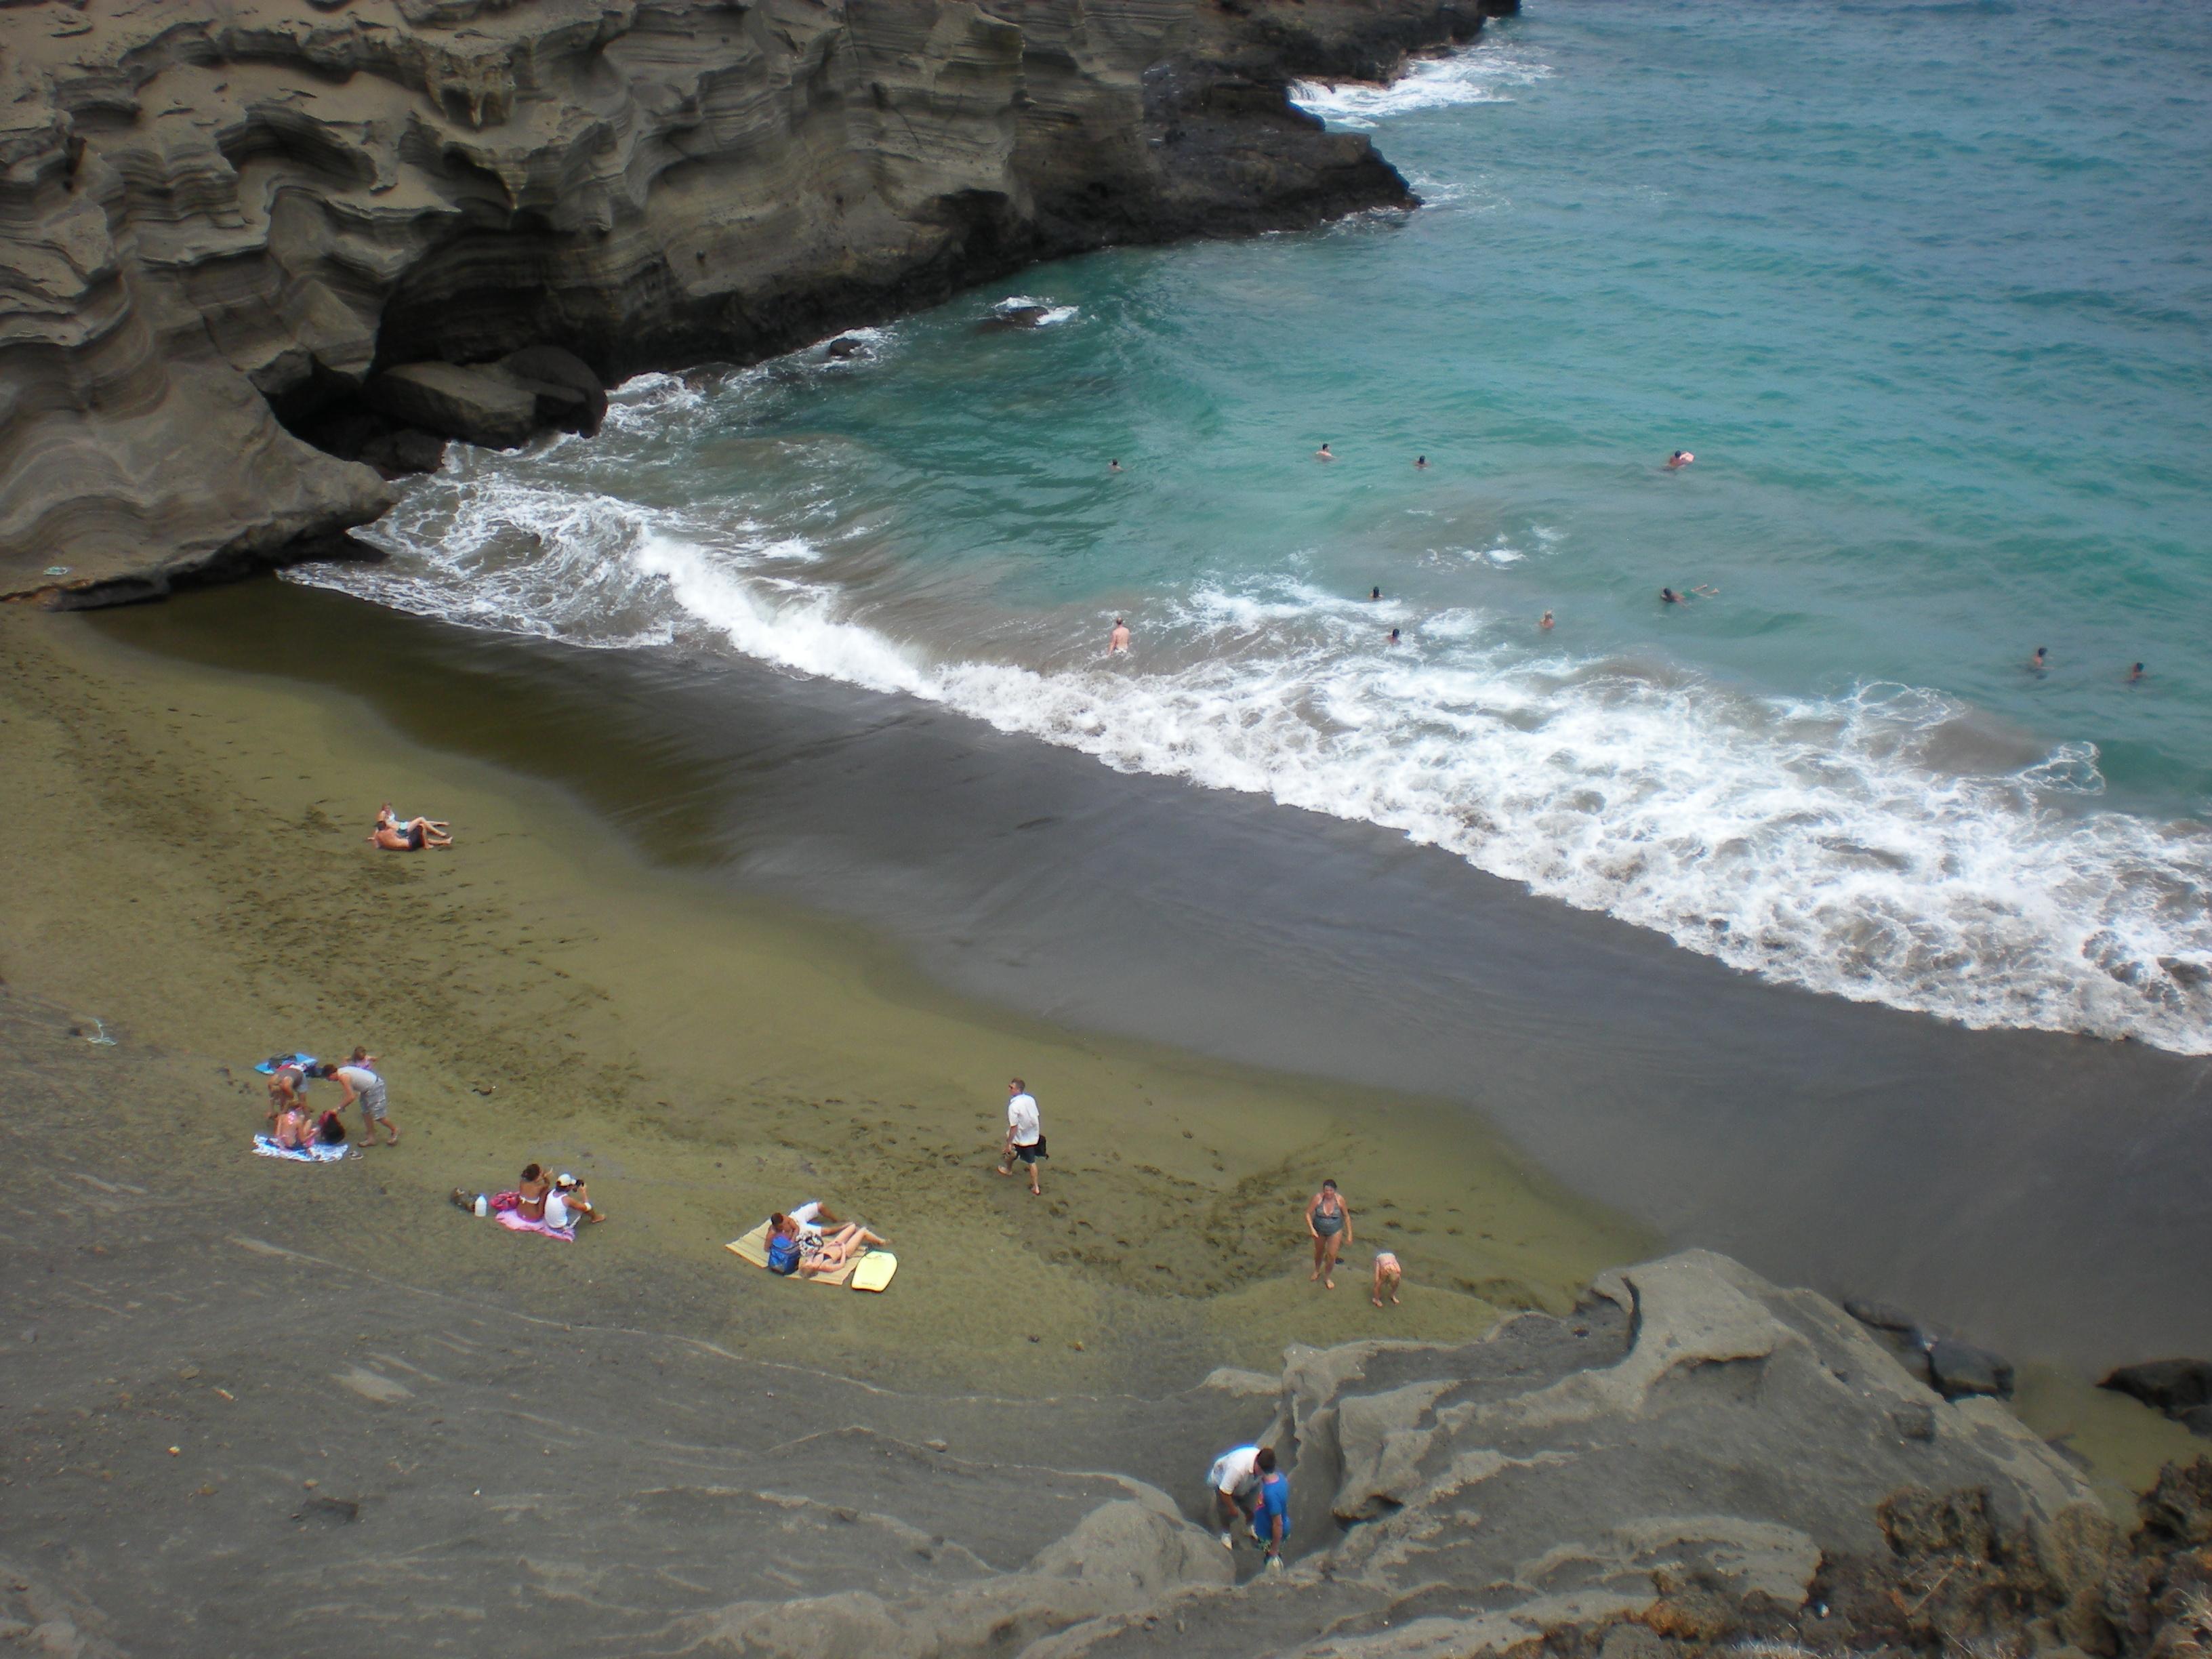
{"type": "Point", "coordinates": [1236, 1472]}
{"type": "Point", "coordinates": [1022, 1119]}
{"type": "Point", "coordinates": [556, 1209]}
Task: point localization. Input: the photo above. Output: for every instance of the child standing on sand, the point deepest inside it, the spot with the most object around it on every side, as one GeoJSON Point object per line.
{"type": "Point", "coordinates": [1387, 1273]}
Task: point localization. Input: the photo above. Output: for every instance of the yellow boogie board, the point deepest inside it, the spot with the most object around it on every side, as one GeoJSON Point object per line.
{"type": "Point", "coordinates": [874, 1270]}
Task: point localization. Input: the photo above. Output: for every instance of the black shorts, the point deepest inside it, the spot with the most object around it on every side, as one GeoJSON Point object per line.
{"type": "Point", "coordinates": [1031, 1154]}
{"type": "Point", "coordinates": [415, 839]}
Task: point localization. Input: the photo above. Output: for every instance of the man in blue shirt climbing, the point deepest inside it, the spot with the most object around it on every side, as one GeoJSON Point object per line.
{"type": "Point", "coordinates": [1271, 1510]}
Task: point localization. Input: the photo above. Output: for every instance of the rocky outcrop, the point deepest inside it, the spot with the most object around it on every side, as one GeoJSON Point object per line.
{"type": "Point", "coordinates": [219, 219]}
{"type": "Point", "coordinates": [2182, 1388]}
{"type": "Point", "coordinates": [1695, 1457]}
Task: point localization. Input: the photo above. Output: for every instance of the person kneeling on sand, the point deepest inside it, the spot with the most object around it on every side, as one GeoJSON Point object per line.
{"type": "Point", "coordinates": [1388, 1274]}
{"type": "Point", "coordinates": [1234, 1480]}
{"type": "Point", "coordinates": [410, 836]}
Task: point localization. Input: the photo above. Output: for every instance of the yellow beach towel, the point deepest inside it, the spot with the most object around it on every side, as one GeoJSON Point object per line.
{"type": "Point", "coordinates": [870, 1270]}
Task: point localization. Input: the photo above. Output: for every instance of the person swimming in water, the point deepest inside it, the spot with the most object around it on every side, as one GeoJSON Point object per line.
{"type": "Point", "coordinates": [1374, 594]}
{"type": "Point", "coordinates": [1113, 467]}
{"type": "Point", "coordinates": [2039, 662]}
{"type": "Point", "coordinates": [1394, 637]}
{"type": "Point", "coordinates": [1322, 454]}
{"type": "Point", "coordinates": [1678, 459]}
{"type": "Point", "coordinates": [1544, 621]}
{"type": "Point", "coordinates": [2135, 673]}
{"type": "Point", "coordinates": [1420, 463]}
{"type": "Point", "coordinates": [1668, 595]}
{"type": "Point", "coordinates": [1118, 640]}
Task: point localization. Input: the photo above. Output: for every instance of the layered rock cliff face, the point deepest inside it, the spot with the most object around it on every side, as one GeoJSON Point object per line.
{"type": "Point", "coordinates": [219, 218]}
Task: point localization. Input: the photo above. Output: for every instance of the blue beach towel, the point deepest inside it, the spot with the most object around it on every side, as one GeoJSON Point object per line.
{"type": "Point", "coordinates": [275, 1063]}
{"type": "Point", "coordinates": [267, 1147]}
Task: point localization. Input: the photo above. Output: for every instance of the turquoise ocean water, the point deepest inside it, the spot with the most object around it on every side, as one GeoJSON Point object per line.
{"type": "Point", "coordinates": [1924, 287]}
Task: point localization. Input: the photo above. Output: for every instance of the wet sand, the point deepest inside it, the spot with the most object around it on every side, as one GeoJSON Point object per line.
{"type": "Point", "coordinates": [2042, 1194]}
{"type": "Point", "coordinates": [191, 871]}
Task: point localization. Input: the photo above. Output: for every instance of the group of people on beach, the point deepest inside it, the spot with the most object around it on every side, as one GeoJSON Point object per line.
{"type": "Point", "coordinates": [1328, 1220]}
{"type": "Point", "coordinates": [808, 1240]}
{"type": "Point", "coordinates": [294, 1125]}
{"type": "Point", "coordinates": [395, 834]}
{"type": "Point", "coordinates": [552, 1201]}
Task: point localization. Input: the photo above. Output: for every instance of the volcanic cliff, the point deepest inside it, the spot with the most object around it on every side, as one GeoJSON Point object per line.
{"type": "Point", "coordinates": [221, 222]}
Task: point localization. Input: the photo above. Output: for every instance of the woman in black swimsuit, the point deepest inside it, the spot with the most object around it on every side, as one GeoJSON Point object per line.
{"type": "Point", "coordinates": [1330, 1224]}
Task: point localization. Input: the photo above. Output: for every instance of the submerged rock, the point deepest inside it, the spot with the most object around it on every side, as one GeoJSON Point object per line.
{"type": "Point", "coordinates": [2182, 1388]}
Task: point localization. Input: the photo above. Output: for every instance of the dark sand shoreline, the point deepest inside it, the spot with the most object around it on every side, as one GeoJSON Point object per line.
{"type": "Point", "coordinates": [2042, 1193]}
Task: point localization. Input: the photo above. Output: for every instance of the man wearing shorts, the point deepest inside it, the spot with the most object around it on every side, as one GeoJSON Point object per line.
{"type": "Point", "coordinates": [1025, 1134]}
{"type": "Point", "coordinates": [361, 1084]}
{"type": "Point", "coordinates": [1234, 1480]}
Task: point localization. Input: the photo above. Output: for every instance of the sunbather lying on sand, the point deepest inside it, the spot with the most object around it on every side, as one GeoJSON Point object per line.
{"type": "Point", "coordinates": [833, 1250]}
{"type": "Point", "coordinates": [410, 836]}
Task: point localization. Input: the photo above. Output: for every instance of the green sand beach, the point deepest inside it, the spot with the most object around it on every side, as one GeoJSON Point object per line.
{"type": "Point", "coordinates": [192, 872]}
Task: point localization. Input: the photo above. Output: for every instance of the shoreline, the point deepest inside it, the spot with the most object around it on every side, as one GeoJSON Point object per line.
{"type": "Point", "coordinates": [2028, 1192]}
{"type": "Point", "coordinates": [648, 1029]}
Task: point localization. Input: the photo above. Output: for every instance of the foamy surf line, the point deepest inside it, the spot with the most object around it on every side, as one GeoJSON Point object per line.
{"type": "Point", "coordinates": [1801, 841]}
{"type": "Point", "coordinates": [1487, 73]}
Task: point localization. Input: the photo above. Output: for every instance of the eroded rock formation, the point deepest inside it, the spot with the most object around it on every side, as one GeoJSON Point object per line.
{"type": "Point", "coordinates": [219, 218]}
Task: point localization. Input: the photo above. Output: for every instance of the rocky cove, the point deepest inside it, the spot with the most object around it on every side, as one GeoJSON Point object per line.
{"type": "Point", "coordinates": [223, 224]}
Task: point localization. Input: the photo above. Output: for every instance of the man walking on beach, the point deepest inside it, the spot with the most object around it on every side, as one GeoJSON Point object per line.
{"type": "Point", "coordinates": [1025, 1134]}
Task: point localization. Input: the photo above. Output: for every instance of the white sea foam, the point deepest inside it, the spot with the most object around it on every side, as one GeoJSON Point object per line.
{"type": "Point", "coordinates": [1490, 72]}
{"type": "Point", "coordinates": [1812, 841]}
{"type": "Point", "coordinates": [1053, 313]}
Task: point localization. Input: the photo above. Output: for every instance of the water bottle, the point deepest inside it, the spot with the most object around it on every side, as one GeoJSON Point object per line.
{"type": "Point", "coordinates": [484, 1205]}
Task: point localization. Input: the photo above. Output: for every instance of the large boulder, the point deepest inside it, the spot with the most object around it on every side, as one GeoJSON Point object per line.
{"type": "Point", "coordinates": [569, 392]}
{"type": "Point", "coordinates": [478, 404]}
{"type": "Point", "coordinates": [2182, 1388]}
{"type": "Point", "coordinates": [1694, 1451]}
{"type": "Point", "coordinates": [1962, 1369]}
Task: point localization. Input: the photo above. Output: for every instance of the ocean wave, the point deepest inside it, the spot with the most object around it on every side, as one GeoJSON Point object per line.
{"type": "Point", "coordinates": [1820, 843]}
{"type": "Point", "coordinates": [1489, 72]}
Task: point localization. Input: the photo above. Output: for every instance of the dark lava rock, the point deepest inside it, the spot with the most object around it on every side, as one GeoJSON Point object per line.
{"type": "Point", "coordinates": [1961, 1369]}
{"type": "Point", "coordinates": [2179, 1507]}
{"type": "Point", "coordinates": [2171, 1386]}
{"type": "Point", "coordinates": [1013, 317]}
{"type": "Point", "coordinates": [479, 405]}
{"type": "Point", "coordinates": [1882, 1316]}
{"type": "Point", "coordinates": [1897, 1331]}
{"type": "Point", "coordinates": [845, 346]}
{"type": "Point", "coordinates": [569, 392]}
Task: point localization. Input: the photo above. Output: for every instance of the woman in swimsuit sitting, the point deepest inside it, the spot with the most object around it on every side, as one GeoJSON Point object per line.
{"type": "Point", "coordinates": [292, 1128]}
{"type": "Point", "coordinates": [1330, 1224]}
{"type": "Point", "coordinates": [412, 836]}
